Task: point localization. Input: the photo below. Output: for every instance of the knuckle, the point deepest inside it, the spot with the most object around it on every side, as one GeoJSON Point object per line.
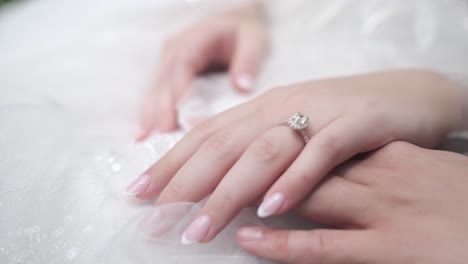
{"type": "Point", "coordinates": [280, 243]}
{"type": "Point", "coordinates": [204, 127]}
{"type": "Point", "coordinates": [404, 198]}
{"type": "Point", "coordinates": [174, 191]}
{"type": "Point", "coordinates": [227, 200]}
{"type": "Point", "coordinates": [393, 152]}
{"type": "Point", "coordinates": [320, 245]}
{"type": "Point", "coordinates": [266, 148]}
{"type": "Point", "coordinates": [398, 147]}
{"type": "Point", "coordinates": [221, 142]}
{"type": "Point", "coordinates": [202, 130]}
{"type": "Point", "coordinates": [398, 153]}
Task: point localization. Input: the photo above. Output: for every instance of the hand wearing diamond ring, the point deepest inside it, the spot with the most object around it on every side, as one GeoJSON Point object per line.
{"type": "Point", "coordinates": [242, 155]}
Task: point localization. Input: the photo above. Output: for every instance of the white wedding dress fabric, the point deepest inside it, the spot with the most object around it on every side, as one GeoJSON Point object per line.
{"type": "Point", "coordinates": [72, 76]}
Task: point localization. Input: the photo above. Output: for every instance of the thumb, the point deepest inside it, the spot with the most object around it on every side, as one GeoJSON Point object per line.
{"type": "Point", "coordinates": [250, 50]}
{"type": "Point", "coordinates": [324, 246]}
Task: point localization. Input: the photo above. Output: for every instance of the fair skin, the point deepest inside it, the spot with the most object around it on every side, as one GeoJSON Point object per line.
{"type": "Point", "coordinates": [235, 39]}
{"type": "Point", "coordinates": [242, 156]}
{"type": "Point", "coordinates": [403, 204]}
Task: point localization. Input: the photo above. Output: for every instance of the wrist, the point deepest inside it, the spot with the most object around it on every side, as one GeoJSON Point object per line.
{"type": "Point", "coordinates": [461, 84]}
{"type": "Point", "coordinates": [461, 132]}
{"type": "Point", "coordinates": [443, 97]}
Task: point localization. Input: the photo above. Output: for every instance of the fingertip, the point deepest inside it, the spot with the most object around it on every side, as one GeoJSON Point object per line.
{"type": "Point", "coordinates": [185, 241]}
{"type": "Point", "coordinates": [142, 134]}
{"type": "Point", "coordinates": [164, 120]}
{"type": "Point", "coordinates": [168, 123]}
{"type": "Point", "coordinates": [244, 82]}
{"type": "Point", "coordinates": [271, 205]}
{"type": "Point", "coordinates": [248, 56]}
{"type": "Point", "coordinates": [147, 120]}
{"type": "Point", "coordinates": [159, 114]}
{"type": "Point", "coordinates": [254, 239]}
{"type": "Point", "coordinates": [197, 231]}
{"type": "Point", "coordinates": [137, 186]}
{"type": "Point", "coordinates": [152, 191]}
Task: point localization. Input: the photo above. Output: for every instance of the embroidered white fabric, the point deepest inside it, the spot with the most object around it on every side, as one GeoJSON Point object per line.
{"type": "Point", "coordinates": [71, 77]}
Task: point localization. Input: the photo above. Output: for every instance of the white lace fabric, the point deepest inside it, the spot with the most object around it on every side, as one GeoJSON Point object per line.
{"type": "Point", "coordinates": [71, 77]}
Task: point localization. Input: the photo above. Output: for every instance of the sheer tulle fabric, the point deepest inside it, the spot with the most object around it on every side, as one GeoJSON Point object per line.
{"type": "Point", "coordinates": [140, 236]}
{"type": "Point", "coordinates": [71, 78]}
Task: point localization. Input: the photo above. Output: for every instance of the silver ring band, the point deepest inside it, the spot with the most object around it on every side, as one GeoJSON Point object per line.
{"type": "Point", "coordinates": [299, 123]}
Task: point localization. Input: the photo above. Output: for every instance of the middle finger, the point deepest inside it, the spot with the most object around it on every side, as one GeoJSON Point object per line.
{"type": "Point", "coordinates": [204, 170]}
{"type": "Point", "coordinates": [260, 165]}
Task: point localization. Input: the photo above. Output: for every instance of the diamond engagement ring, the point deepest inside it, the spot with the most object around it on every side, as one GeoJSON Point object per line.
{"type": "Point", "coordinates": [298, 122]}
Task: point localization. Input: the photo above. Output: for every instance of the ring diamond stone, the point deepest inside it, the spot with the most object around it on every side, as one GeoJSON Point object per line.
{"type": "Point", "coordinates": [298, 122]}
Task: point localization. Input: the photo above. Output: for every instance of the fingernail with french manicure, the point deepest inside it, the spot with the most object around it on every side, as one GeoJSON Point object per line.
{"type": "Point", "coordinates": [151, 221]}
{"type": "Point", "coordinates": [138, 186]}
{"type": "Point", "coordinates": [155, 224]}
{"type": "Point", "coordinates": [246, 82]}
{"type": "Point", "coordinates": [270, 205]}
{"type": "Point", "coordinates": [197, 230]}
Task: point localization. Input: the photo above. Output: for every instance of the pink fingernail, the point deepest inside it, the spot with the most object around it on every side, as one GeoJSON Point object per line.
{"type": "Point", "coordinates": [138, 186]}
{"type": "Point", "coordinates": [197, 230]}
{"type": "Point", "coordinates": [245, 82]}
{"type": "Point", "coordinates": [141, 135]}
{"type": "Point", "coordinates": [250, 234]}
{"type": "Point", "coordinates": [270, 205]}
{"type": "Point", "coordinates": [163, 219]}
{"type": "Point", "coordinates": [152, 223]}
{"type": "Point", "coordinates": [145, 133]}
